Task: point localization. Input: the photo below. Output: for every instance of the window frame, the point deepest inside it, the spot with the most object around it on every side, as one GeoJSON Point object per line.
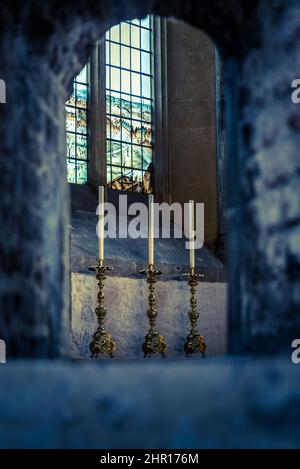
{"type": "Point", "coordinates": [97, 157]}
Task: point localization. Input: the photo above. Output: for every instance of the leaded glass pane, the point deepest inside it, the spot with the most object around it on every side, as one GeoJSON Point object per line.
{"type": "Point", "coordinates": [82, 146]}
{"type": "Point", "coordinates": [146, 110]}
{"type": "Point", "coordinates": [116, 153]}
{"type": "Point", "coordinates": [135, 60]}
{"type": "Point", "coordinates": [125, 106]}
{"type": "Point", "coordinates": [71, 145]}
{"type": "Point", "coordinates": [146, 86]}
{"type": "Point", "coordinates": [136, 84]}
{"type": "Point", "coordinates": [77, 130]}
{"type": "Point", "coordinates": [126, 155]}
{"type": "Point", "coordinates": [125, 81]}
{"type": "Point", "coordinates": [145, 39]}
{"type": "Point", "coordinates": [115, 78]}
{"type": "Point", "coordinates": [115, 54]}
{"type": "Point", "coordinates": [135, 36]}
{"type": "Point", "coordinates": [147, 157]}
{"type": "Point", "coordinates": [145, 22]}
{"type": "Point", "coordinates": [108, 85]}
{"type": "Point", "coordinates": [125, 57]}
{"type": "Point", "coordinates": [81, 121]}
{"type": "Point", "coordinates": [115, 104]}
{"type": "Point", "coordinates": [136, 109]}
{"type": "Point", "coordinates": [81, 95]}
{"type": "Point", "coordinates": [82, 77]}
{"type": "Point", "coordinates": [71, 119]}
{"type": "Point", "coordinates": [129, 105]}
{"type": "Point", "coordinates": [115, 33]}
{"type": "Point", "coordinates": [81, 172]}
{"type": "Point", "coordinates": [125, 33]}
{"type": "Point", "coordinates": [71, 168]}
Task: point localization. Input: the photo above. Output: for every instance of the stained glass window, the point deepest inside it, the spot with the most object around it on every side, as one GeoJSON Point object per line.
{"type": "Point", "coordinates": [129, 110]}
{"type": "Point", "coordinates": [129, 103]}
{"type": "Point", "coordinates": [77, 130]}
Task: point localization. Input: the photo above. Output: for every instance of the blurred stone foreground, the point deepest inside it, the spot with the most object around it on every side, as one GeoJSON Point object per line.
{"type": "Point", "coordinates": [219, 403]}
{"type": "Point", "coordinates": [215, 403]}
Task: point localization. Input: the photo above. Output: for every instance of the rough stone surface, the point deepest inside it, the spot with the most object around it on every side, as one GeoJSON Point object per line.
{"type": "Point", "coordinates": [34, 286]}
{"type": "Point", "coordinates": [42, 49]}
{"type": "Point", "coordinates": [264, 209]}
{"type": "Point", "coordinates": [126, 320]}
{"type": "Point", "coordinates": [222, 248]}
{"type": "Point", "coordinates": [203, 404]}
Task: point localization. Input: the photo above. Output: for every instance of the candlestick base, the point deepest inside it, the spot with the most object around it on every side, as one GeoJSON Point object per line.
{"type": "Point", "coordinates": [154, 343]}
{"type": "Point", "coordinates": [102, 342]}
{"type": "Point", "coordinates": [195, 342]}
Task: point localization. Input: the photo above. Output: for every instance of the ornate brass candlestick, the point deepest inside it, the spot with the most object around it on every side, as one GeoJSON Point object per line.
{"type": "Point", "coordinates": [102, 341]}
{"type": "Point", "coordinates": [154, 342]}
{"type": "Point", "coordinates": [194, 342]}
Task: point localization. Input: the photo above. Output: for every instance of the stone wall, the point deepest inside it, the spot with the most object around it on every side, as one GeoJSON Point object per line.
{"type": "Point", "coordinates": [205, 404]}
{"type": "Point", "coordinates": [191, 120]}
{"type": "Point", "coordinates": [34, 281]}
{"type": "Point", "coordinates": [228, 404]}
{"type": "Point", "coordinates": [126, 302]}
{"type": "Point", "coordinates": [264, 200]}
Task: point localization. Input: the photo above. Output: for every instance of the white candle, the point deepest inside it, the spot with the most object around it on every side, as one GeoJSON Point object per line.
{"type": "Point", "coordinates": [191, 233]}
{"type": "Point", "coordinates": [101, 223]}
{"type": "Point", "coordinates": [151, 229]}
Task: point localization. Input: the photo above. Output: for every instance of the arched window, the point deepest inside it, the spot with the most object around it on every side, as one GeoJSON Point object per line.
{"type": "Point", "coordinates": [127, 85]}
{"type": "Point", "coordinates": [141, 118]}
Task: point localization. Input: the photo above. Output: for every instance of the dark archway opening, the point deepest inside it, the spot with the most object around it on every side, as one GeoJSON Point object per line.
{"type": "Point", "coordinates": [41, 53]}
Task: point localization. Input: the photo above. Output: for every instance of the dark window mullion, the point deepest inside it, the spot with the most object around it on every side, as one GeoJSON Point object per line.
{"type": "Point", "coordinates": [110, 124]}
{"type": "Point", "coordinates": [128, 94]}
{"type": "Point", "coordinates": [126, 45]}
{"type": "Point", "coordinates": [133, 144]}
{"type": "Point", "coordinates": [141, 124]}
{"type": "Point", "coordinates": [130, 62]}
{"type": "Point", "coordinates": [149, 75]}
{"type": "Point", "coordinates": [133, 119]}
{"type": "Point", "coordinates": [121, 88]}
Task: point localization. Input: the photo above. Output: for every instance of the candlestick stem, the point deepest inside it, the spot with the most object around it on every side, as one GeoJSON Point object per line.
{"type": "Point", "coordinates": [195, 342]}
{"type": "Point", "coordinates": [102, 342]}
{"type": "Point", "coordinates": [154, 342]}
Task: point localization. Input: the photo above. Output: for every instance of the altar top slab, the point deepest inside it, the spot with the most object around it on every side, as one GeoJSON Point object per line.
{"type": "Point", "coordinates": [128, 256]}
